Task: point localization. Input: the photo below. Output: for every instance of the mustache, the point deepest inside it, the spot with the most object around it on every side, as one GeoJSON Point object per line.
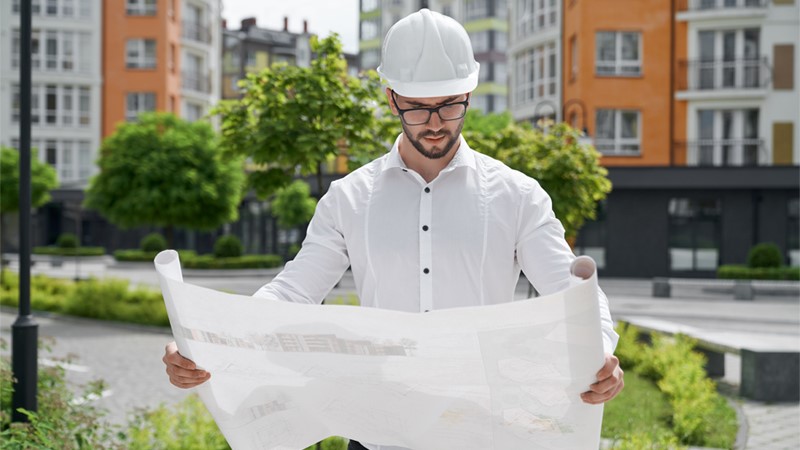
{"type": "Point", "coordinates": [440, 133]}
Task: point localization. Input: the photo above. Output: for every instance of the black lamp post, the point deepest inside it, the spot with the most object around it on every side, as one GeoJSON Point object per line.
{"type": "Point", "coordinates": [25, 330]}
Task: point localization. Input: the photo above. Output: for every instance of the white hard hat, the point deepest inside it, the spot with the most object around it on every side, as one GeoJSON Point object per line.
{"type": "Point", "coordinates": [427, 54]}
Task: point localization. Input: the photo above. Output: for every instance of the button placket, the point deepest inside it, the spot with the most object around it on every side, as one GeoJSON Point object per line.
{"type": "Point", "coordinates": [425, 250]}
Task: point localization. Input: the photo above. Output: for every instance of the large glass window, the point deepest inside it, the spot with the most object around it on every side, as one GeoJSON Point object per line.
{"type": "Point", "coordinates": [58, 103]}
{"type": "Point", "coordinates": [793, 228]}
{"type": "Point", "coordinates": [694, 234]}
{"type": "Point", "coordinates": [618, 131]}
{"type": "Point", "coordinates": [536, 75]}
{"type": "Point", "coordinates": [476, 9]}
{"type": "Point", "coordinates": [55, 51]}
{"type": "Point", "coordinates": [368, 5]}
{"type": "Point", "coordinates": [591, 239]}
{"type": "Point", "coordinates": [140, 54]}
{"type": "Point", "coordinates": [370, 28]}
{"type": "Point", "coordinates": [535, 15]}
{"type": "Point", "coordinates": [726, 137]}
{"type": "Point", "coordinates": [480, 41]}
{"type": "Point", "coordinates": [618, 53]}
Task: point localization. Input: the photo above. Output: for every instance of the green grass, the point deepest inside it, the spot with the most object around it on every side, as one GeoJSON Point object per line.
{"type": "Point", "coordinates": [641, 408]}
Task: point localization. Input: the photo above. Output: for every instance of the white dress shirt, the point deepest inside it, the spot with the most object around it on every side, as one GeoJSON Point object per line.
{"type": "Point", "coordinates": [413, 246]}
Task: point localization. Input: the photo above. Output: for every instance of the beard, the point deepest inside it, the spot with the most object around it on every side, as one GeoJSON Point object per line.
{"type": "Point", "coordinates": [437, 151]}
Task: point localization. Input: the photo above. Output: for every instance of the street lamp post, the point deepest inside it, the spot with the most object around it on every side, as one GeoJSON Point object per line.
{"type": "Point", "coordinates": [25, 330]}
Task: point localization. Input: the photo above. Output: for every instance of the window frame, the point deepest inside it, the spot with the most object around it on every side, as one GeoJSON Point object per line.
{"type": "Point", "coordinates": [140, 60]}
{"type": "Point", "coordinates": [617, 66]}
{"type": "Point", "coordinates": [618, 141]}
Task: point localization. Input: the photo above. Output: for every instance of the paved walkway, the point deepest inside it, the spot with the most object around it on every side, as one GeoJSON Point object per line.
{"type": "Point", "coordinates": [128, 357]}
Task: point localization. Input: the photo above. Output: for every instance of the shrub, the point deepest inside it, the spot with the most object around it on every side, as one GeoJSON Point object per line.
{"type": "Point", "coordinates": [61, 421]}
{"type": "Point", "coordinates": [700, 415]}
{"type": "Point", "coordinates": [67, 240]}
{"type": "Point", "coordinates": [764, 255]}
{"type": "Point", "coordinates": [242, 262]}
{"type": "Point", "coordinates": [737, 272]}
{"type": "Point", "coordinates": [153, 242]}
{"type": "Point", "coordinates": [79, 251]}
{"type": "Point", "coordinates": [228, 246]}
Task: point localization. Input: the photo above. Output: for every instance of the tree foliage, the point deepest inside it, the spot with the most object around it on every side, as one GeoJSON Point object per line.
{"type": "Point", "coordinates": [294, 118]}
{"type": "Point", "coordinates": [293, 205]}
{"type": "Point", "coordinates": [43, 180]}
{"type": "Point", "coordinates": [568, 170]}
{"type": "Point", "coordinates": [168, 172]}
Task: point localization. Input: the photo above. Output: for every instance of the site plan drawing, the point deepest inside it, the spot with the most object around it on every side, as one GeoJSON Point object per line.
{"type": "Point", "coordinates": [287, 375]}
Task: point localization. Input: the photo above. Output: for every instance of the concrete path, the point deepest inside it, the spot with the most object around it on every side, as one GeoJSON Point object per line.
{"type": "Point", "coordinates": [129, 357]}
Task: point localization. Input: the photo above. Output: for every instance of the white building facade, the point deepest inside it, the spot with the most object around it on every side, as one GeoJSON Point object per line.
{"type": "Point", "coordinates": [201, 54]}
{"type": "Point", "coordinates": [742, 82]}
{"type": "Point", "coordinates": [66, 79]}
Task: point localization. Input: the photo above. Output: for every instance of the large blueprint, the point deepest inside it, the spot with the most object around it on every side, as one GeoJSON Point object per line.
{"type": "Point", "coordinates": [287, 375]}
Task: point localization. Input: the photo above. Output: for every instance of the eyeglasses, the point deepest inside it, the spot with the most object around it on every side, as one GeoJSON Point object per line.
{"type": "Point", "coordinates": [420, 116]}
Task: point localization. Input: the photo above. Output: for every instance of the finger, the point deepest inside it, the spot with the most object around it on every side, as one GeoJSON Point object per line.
{"type": "Point", "coordinates": [602, 387]}
{"type": "Point", "coordinates": [176, 359]}
{"type": "Point", "coordinates": [184, 382]}
{"type": "Point", "coordinates": [602, 397]}
{"type": "Point", "coordinates": [186, 373]}
{"type": "Point", "coordinates": [611, 364]}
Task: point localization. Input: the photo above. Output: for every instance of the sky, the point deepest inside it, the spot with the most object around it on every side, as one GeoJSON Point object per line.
{"type": "Point", "coordinates": [324, 16]}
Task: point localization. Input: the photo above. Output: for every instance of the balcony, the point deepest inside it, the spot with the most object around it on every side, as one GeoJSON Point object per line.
{"type": "Point", "coordinates": [196, 81]}
{"type": "Point", "coordinates": [196, 32]}
{"type": "Point", "coordinates": [750, 74]}
{"type": "Point", "coordinates": [711, 5]}
{"type": "Point", "coordinates": [722, 152]}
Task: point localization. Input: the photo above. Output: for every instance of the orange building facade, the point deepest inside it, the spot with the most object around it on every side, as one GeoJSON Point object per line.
{"type": "Point", "coordinates": [618, 61]}
{"type": "Point", "coordinates": [141, 60]}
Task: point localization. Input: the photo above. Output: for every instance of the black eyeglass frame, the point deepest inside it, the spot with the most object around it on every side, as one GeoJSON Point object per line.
{"type": "Point", "coordinates": [402, 112]}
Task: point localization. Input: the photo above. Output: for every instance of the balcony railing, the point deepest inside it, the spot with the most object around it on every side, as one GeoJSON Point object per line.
{"type": "Point", "coordinates": [711, 5]}
{"type": "Point", "coordinates": [196, 32]}
{"type": "Point", "coordinates": [723, 152]}
{"type": "Point", "coordinates": [196, 81]}
{"type": "Point", "coordinates": [699, 75]}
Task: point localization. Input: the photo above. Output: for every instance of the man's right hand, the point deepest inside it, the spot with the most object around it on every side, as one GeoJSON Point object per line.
{"type": "Point", "coordinates": [182, 372]}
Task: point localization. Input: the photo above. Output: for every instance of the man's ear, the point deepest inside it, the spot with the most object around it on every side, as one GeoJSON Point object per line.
{"type": "Point", "coordinates": [391, 101]}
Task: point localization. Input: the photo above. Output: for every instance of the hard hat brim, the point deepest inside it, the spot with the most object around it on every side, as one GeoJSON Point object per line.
{"type": "Point", "coordinates": [444, 88]}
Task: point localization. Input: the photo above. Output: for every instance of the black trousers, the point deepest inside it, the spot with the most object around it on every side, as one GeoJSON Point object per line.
{"type": "Point", "coordinates": [353, 445]}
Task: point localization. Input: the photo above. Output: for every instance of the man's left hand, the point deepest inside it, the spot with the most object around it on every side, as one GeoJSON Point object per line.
{"type": "Point", "coordinates": [609, 382]}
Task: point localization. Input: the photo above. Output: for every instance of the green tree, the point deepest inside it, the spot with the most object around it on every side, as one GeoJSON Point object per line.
{"type": "Point", "coordinates": [293, 205]}
{"type": "Point", "coordinates": [569, 171]}
{"type": "Point", "coordinates": [43, 180]}
{"type": "Point", "coordinates": [294, 118]}
{"type": "Point", "coordinates": [167, 172]}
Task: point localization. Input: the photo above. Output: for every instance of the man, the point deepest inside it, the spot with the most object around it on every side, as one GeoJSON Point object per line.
{"type": "Point", "coordinates": [432, 224]}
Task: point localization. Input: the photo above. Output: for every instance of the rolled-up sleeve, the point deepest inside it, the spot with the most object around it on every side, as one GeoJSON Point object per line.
{"type": "Point", "coordinates": [319, 264]}
{"type": "Point", "coordinates": [545, 256]}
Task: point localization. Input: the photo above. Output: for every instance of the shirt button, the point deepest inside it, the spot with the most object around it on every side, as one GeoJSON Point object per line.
{"type": "Point", "coordinates": [425, 270]}
{"type": "Point", "coordinates": [427, 189]}
{"type": "Point", "coordinates": [424, 228]}
{"type": "Point", "coordinates": [405, 170]}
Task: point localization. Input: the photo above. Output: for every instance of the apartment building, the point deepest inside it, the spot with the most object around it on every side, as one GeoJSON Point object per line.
{"type": "Point", "coordinates": [693, 105]}
{"type": "Point", "coordinates": [486, 21]}
{"type": "Point", "coordinates": [201, 64]}
{"type": "Point", "coordinates": [66, 84]}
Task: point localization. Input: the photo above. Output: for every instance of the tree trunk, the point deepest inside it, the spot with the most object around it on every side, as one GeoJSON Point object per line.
{"type": "Point", "coordinates": [319, 179]}
{"type": "Point", "coordinates": [169, 234]}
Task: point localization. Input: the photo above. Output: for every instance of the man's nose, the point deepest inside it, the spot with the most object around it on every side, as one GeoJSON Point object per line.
{"type": "Point", "coordinates": [435, 123]}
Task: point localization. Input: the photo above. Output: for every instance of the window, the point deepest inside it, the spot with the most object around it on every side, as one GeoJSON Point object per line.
{"type": "Point", "coordinates": [194, 111]}
{"type": "Point", "coordinates": [58, 103]}
{"type": "Point", "coordinates": [55, 8]}
{"type": "Point", "coordinates": [618, 53]}
{"type": "Point", "coordinates": [535, 15]}
{"type": "Point", "coordinates": [500, 41]}
{"type": "Point", "coordinates": [573, 58]}
{"type": "Point", "coordinates": [694, 234]}
{"type": "Point", "coordinates": [51, 48]}
{"type": "Point", "coordinates": [368, 5]}
{"type": "Point", "coordinates": [726, 137]}
{"type": "Point", "coordinates": [591, 239]}
{"type": "Point", "coordinates": [61, 54]}
{"type": "Point", "coordinates": [140, 7]}
{"type": "Point", "coordinates": [140, 54]}
{"type": "Point", "coordinates": [536, 74]}
{"type": "Point", "coordinates": [139, 102]}
{"type": "Point", "coordinates": [476, 9]}
{"type": "Point", "coordinates": [370, 28]}
{"type": "Point", "coordinates": [370, 59]}
{"type": "Point", "coordinates": [793, 228]}
{"type": "Point", "coordinates": [480, 41]}
{"type": "Point", "coordinates": [617, 132]}
{"type": "Point", "coordinates": [84, 160]}
{"type": "Point", "coordinates": [479, 102]}
{"type": "Point", "coordinates": [728, 59]}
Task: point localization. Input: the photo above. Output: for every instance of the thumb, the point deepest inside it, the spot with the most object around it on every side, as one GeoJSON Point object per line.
{"type": "Point", "coordinates": [583, 267]}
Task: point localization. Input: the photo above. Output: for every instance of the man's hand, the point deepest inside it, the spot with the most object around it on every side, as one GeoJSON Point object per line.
{"type": "Point", "coordinates": [609, 382]}
{"type": "Point", "coordinates": [182, 372]}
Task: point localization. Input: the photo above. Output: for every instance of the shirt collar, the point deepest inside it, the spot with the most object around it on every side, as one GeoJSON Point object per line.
{"type": "Point", "coordinates": [465, 156]}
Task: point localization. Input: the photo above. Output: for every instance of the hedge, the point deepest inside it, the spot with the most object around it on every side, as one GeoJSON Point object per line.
{"type": "Point", "coordinates": [740, 272]}
{"type": "Point", "coordinates": [134, 255]}
{"type": "Point", "coordinates": [79, 251]}
{"type": "Point", "coordinates": [241, 262]}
